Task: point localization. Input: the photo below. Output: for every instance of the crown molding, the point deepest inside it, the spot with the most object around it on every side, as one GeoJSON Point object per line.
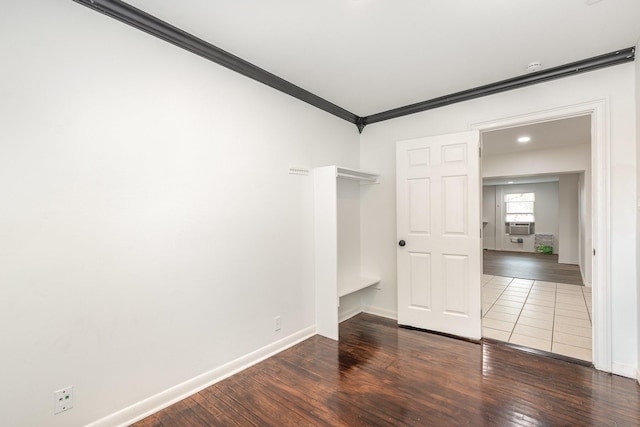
{"type": "Point", "coordinates": [143, 21]}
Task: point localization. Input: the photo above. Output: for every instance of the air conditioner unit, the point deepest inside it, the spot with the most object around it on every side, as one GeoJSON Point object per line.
{"type": "Point", "coordinates": [519, 228]}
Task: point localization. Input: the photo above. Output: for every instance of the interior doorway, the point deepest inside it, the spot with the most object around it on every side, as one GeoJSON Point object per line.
{"type": "Point", "coordinates": [537, 235]}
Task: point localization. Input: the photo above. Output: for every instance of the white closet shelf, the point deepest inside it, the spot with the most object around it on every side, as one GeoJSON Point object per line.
{"type": "Point", "coordinates": [355, 284]}
{"type": "Point", "coordinates": [357, 175]}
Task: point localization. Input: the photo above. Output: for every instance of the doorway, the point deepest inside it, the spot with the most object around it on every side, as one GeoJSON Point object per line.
{"type": "Point", "coordinates": [537, 235]}
{"type": "Point", "coordinates": [469, 220]}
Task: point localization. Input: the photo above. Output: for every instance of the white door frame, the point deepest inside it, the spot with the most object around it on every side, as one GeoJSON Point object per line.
{"type": "Point", "coordinates": [600, 224]}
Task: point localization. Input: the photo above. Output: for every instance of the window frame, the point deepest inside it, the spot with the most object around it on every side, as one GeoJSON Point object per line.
{"type": "Point", "coordinates": [523, 195]}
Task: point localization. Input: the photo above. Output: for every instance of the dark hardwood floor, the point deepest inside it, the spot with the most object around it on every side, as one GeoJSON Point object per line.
{"type": "Point", "coordinates": [525, 265]}
{"type": "Point", "coordinates": [382, 375]}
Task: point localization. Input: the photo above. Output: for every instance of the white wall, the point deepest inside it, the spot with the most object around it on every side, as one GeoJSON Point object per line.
{"type": "Point", "coordinates": [573, 158]}
{"type": "Point", "coordinates": [616, 84]}
{"type": "Point", "coordinates": [349, 255]}
{"type": "Point", "coordinates": [489, 217]}
{"type": "Point", "coordinates": [545, 212]}
{"type": "Point", "coordinates": [150, 231]}
{"type": "Point", "coordinates": [637, 84]}
{"type": "Point", "coordinates": [568, 219]}
{"type": "Point", "coordinates": [584, 251]}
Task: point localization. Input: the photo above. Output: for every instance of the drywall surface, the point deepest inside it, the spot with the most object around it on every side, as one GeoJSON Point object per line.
{"type": "Point", "coordinates": [568, 219]}
{"type": "Point", "coordinates": [150, 230]}
{"type": "Point", "coordinates": [637, 82]}
{"type": "Point", "coordinates": [573, 158]}
{"type": "Point", "coordinates": [584, 251]}
{"type": "Point", "coordinates": [615, 84]}
{"type": "Point", "coordinates": [489, 205]}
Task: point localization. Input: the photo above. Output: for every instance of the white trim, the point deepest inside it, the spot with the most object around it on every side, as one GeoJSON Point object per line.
{"type": "Point", "coordinates": [146, 407]}
{"type": "Point", "coordinates": [600, 181]}
{"type": "Point", "coordinates": [638, 375]}
{"type": "Point", "coordinates": [382, 312]}
{"type": "Point", "coordinates": [624, 370]}
{"type": "Point", "coordinates": [348, 314]}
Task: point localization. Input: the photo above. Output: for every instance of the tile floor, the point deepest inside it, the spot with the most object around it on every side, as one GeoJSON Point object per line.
{"type": "Point", "coordinates": [548, 316]}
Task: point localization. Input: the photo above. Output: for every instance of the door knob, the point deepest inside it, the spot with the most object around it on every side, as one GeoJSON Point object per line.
{"type": "Point", "coordinates": [402, 243]}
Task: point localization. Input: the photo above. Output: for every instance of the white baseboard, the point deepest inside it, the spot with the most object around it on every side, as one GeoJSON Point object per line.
{"type": "Point", "coordinates": [166, 398]}
{"type": "Point", "coordinates": [376, 311]}
{"type": "Point", "coordinates": [348, 314]}
{"type": "Point", "coordinates": [624, 370]}
{"type": "Point", "coordinates": [382, 312]}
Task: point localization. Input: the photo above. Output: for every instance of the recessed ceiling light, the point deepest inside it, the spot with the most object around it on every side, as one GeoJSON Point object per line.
{"type": "Point", "coordinates": [524, 139]}
{"type": "Point", "coordinates": [510, 182]}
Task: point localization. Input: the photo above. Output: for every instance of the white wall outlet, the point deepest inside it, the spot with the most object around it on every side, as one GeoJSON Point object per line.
{"type": "Point", "coordinates": [277, 323]}
{"type": "Point", "coordinates": [63, 399]}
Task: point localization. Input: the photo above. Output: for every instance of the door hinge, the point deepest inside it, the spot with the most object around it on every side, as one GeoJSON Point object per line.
{"type": "Point", "coordinates": [594, 252]}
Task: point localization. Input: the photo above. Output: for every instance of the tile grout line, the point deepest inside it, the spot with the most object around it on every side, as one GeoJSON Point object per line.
{"type": "Point", "coordinates": [572, 334]}
{"type": "Point", "coordinates": [521, 308]}
{"type": "Point", "coordinates": [497, 298]}
{"type": "Point", "coordinates": [584, 299]}
{"type": "Point", "coordinates": [553, 319]}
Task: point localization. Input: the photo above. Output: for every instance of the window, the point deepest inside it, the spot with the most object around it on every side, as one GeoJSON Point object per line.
{"type": "Point", "coordinates": [519, 207]}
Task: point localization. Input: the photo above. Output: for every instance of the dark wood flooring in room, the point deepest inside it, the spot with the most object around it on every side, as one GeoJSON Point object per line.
{"type": "Point", "coordinates": [382, 375]}
{"type": "Point", "coordinates": [525, 265]}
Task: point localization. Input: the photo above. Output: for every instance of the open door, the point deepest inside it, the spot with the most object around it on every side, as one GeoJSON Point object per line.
{"type": "Point", "coordinates": [438, 230]}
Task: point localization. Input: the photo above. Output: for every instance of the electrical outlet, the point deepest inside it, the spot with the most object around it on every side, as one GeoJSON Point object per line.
{"type": "Point", "coordinates": [63, 399]}
{"type": "Point", "coordinates": [277, 323]}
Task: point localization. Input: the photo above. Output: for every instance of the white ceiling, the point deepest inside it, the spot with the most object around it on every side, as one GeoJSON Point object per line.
{"type": "Point", "coordinates": [553, 134]}
{"type": "Point", "coordinates": [370, 56]}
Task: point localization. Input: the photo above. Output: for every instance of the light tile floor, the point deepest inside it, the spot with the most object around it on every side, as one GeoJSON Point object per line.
{"type": "Point", "coordinates": [548, 316]}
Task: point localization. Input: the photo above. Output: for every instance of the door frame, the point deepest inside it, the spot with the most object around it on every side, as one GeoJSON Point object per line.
{"type": "Point", "coordinates": [598, 109]}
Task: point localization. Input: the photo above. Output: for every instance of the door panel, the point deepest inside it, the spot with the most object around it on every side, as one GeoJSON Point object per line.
{"type": "Point", "coordinates": [456, 284]}
{"type": "Point", "coordinates": [419, 194]}
{"type": "Point", "coordinates": [455, 205]}
{"type": "Point", "coordinates": [438, 214]}
{"type": "Point", "coordinates": [420, 281]}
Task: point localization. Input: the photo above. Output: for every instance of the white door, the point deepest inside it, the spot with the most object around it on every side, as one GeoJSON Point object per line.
{"type": "Point", "coordinates": [439, 226]}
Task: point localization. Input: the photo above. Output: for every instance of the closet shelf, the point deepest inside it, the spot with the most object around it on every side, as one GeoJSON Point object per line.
{"type": "Point", "coordinates": [365, 177]}
{"type": "Point", "coordinates": [355, 284]}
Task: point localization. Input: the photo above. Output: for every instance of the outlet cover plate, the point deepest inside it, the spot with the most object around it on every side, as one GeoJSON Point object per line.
{"type": "Point", "coordinates": [63, 399]}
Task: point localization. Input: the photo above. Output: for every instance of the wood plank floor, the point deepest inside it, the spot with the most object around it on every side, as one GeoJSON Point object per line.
{"type": "Point", "coordinates": [382, 375]}
{"type": "Point", "coordinates": [525, 265]}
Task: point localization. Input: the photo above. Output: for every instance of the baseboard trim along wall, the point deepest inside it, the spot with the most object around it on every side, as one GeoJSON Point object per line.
{"type": "Point", "coordinates": [624, 370]}
{"type": "Point", "coordinates": [382, 312]}
{"type": "Point", "coordinates": [166, 398]}
{"type": "Point", "coordinates": [348, 314]}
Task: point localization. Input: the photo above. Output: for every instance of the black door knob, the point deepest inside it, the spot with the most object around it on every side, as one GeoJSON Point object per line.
{"type": "Point", "coordinates": [402, 243]}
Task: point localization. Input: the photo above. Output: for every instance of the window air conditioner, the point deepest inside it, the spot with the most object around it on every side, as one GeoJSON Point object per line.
{"type": "Point", "coordinates": [520, 228]}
